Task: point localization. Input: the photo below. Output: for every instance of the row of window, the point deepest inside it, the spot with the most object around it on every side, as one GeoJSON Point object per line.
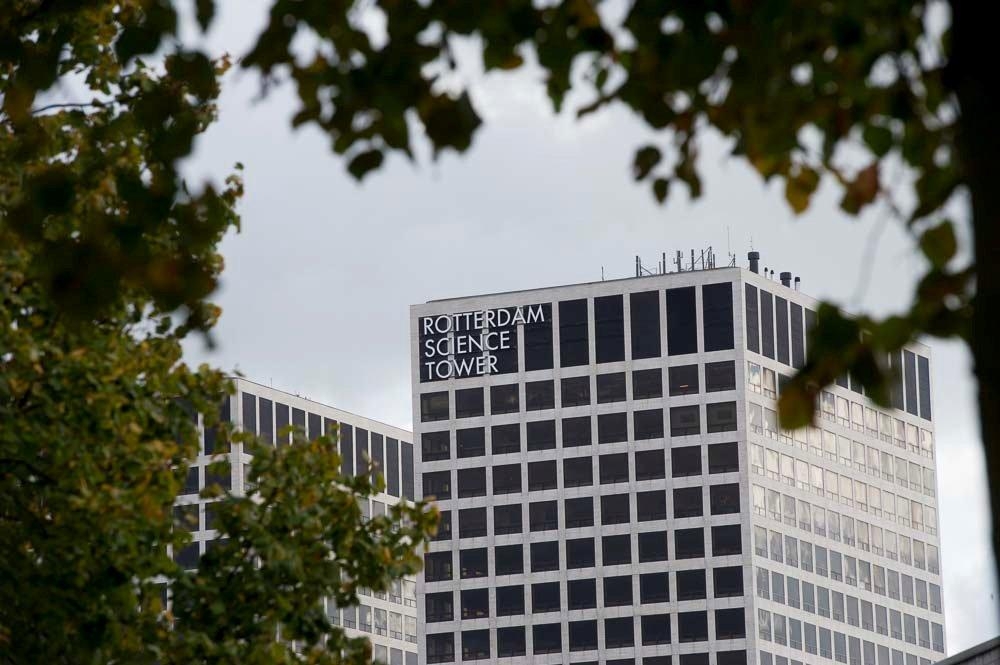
{"type": "Point", "coordinates": [614, 550]}
{"type": "Point", "coordinates": [608, 312]}
{"type": "Point", "coordinates": [869, 648]}
{"type": "Point", "coordinates": [374, 620]}
{"type": "Point", "coordinates": [584, 635]}
{"type": "Point", "coordinates": [844, 528]}
{"type": "Point", "coordinates": [849, 609]}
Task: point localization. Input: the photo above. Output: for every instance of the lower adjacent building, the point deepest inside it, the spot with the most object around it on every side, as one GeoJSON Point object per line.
{"type": "Point", "coordinates": [388, 620]}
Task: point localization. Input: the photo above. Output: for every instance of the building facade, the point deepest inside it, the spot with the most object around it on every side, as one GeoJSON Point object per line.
{"type": "Point", "coordinates": [615, 488]}
{"type": "Point", "coordinates": [388, 620]}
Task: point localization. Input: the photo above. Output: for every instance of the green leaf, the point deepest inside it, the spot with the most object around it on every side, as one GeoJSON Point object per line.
{"type": "Point", "coordinates": [661, 188]}
{"type": "Point", "coordinates": [800, 188]}
{"type": "Point", "coordinates": [939, 244]}
{"type": "Point", "coordinates": [365, 162]}
{"type": "Point", "coordinates": [646, 159]}
{"type": "Point", "coordinates": [204, 12]}
{"type": "Point", "coordinates": [878, 139]}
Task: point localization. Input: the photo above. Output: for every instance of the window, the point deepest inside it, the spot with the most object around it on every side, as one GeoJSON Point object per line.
{"type": "Point", "coordinates": [506, 478]}
{"type": "Point", "coordinates": [648, 424]}
{"type": "Point", "coordinates": [504, 399]}
{"type": "Point", "coordinates": [433, 406]}
{"type": "Point", "coordinates": [468, 403]}
{"type": "Point", "coordinates": [441, 648]}
{"type": "Point", "coordinates": [582, 635]}
{"type": "Point", "coordinates": [473, 563]}
{"type": "Point", "coordinates": [574, 347]}
{"type": "Point", "coordinates": [611, 388]}
{"type": "Point", "coordinates": [614, 468]}
{"type": "Point", "coordinates": [538, 341]}
{"type": "Point", "coordinates": [511, 642]}
{"type": "Point", "coordinates": [510, 600]}
{"type": "Point", "coordinates": [475, 603]}
{"type": "Point", "coordinates": [576, 391]}
{"type": "Point", "coordinates": [578, 472]}
{"type": "Point", "coordinates": [723, 458]}
{"type": "Point", "coordinates": [727, 582]}
{"type": "Point", "coordinates": [651, 505]}
{"type": "Point", "coordinates": [539, 395]}
{"type": "Point", "coordinates": [471, 482]}
{"type": "Point", "coordinates": [654, 588]}
{"type": "Point", "coordinates": [544, 556]}
{"type": "Point", "coordinates": [545, 597]}
{"type": "Point", "coordinates": [767, 324]}
{"type": "Point", "coordinates": [721, 417]}
{"type": "Point", "coordinates": [726, 540]}
{"type": "Point", "coordinates": [579, 512]}
{"type": "Point", "coordinates": [682, 332]}
{"type": "Point", "coordinates": [655, 629]}
{"type": "Point", "coordinates": [687, 502]}
{"type": "Point", "coordinates": [753, 323]}
{"type": "Point", "coordinates": [689, 543]}
{"type": "Point", "coordinates": [546, 638]}
{"type": "Point", "coordinates": [444, 526]}
{"type": "Point", "coordinates": [471, 442]}
{"type": "Point", "coordinates": [652, 546]}
{"type": "Point", "coordinates": [437, 566]}
{"type": "Point", "coordinates": [435, 446]}
{"type": "Point", "coordinates": [475, 644]}
{"type": "Point", "coordinates": [645, 317]}
{"type": "Point", "coordinates": [509, 559]}
{"type": "Point", "coordinates": [616, 550]}
{"type": "Point", "coordinates": [581, 594]}
{"type": "Point", "coordinates": [619, 633]}
{"type": "Point", "coordinates": [683, 380]}
{"type": "Point", "coordinates": [781, 328]}
{"type": "Point", "coordinates": [471, 522]}
{"type": "Point", "coordinates": [541, 435]}
{"type": "Point", "coordinates": [730, 624]}
{"type": "Point", "coordinates": [576, 431]}
{"type": "Point", "coordinates": [691, 584]}
{"type": "Point", "coordinates": [440, 606]}
{"type": "Point", "coordinates": [437, 484]}
{"type": "Point", "coordinates": [798, 337]}
{"type": "Point", "coordinates": [543, 515]}
{"type": "Point", "coordinates": [506, 439]}
{"type": "Point", "coordinates": [579, 553]}
{"type": "Point", "coordinates": [618, 591]}
{"type": "Point", "coordinates": [717, 315]}
{"type": "Point", "coordinates": [614, 509]}
{"type": "Point", "coordinates": [649, 465]}
{"type": "Point", "coordinates": [684, 420]}
{"type": "Point", "coordinates": [542, 475]}
{"type": "Point", "coordinates": [725, 499]}
{"type": "Point", "coordinates": [685, 461]}
{"type": "Point", "coordinates": [692, 626]}
{"type": "Point", "coordinates": [647, 383]}
{"type": "Point", "coordinates": [609, 328]}
{"type": "Point", "coordinates": [720, 376]}
{"type": "Point", "coordinates": [612, 428]}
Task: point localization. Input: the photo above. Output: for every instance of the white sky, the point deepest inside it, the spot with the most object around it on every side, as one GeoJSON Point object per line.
{"type": "Point", "coordinates": [318, 282]}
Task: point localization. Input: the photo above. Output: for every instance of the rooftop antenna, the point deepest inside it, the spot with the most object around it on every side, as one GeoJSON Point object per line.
{"type": "Point", "coordinates": [602, 273]}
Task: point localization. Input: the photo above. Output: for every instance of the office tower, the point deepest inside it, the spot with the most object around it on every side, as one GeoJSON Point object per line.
{"type": "Point", "coordinates": [388, 620]}
{"type": "Point", "coordinates": [615, 488]}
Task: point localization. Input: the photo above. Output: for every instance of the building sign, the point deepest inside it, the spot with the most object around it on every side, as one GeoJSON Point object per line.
{"type": "Point", "coordinates": [461, 345]}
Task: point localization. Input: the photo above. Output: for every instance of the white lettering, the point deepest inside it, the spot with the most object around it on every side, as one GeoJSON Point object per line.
{"type": "Point", "coordinates": [535, 314]}
{"type": "Point", "coordinates": [427, 323]}
{"type": "Point", "coordinates": [518, 316]}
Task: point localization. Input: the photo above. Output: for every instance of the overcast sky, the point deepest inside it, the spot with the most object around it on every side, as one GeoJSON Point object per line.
{"type": "Point", "coordinates": [317, 284]}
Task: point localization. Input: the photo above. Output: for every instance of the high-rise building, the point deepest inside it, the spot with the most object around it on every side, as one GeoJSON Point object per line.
{"type": "Point", "coordinates": [615, 487]}
{"type": "Point", "coordinates": [388, 620]}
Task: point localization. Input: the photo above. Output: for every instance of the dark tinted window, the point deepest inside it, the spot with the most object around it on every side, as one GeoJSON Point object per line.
{"type": "Point", "coordinates": [475, 604]}
{"type": "Point", "coordinates": [437, 566]}
{"type": "Point", "coordinates": [910, 374]}
{"type": "Point", "coordinates": [506, 478]}
{"type": "Point", "coordinates": [576, 431]}
{"type": "Point", "coordinates": [730, 624]}
{"type": "Point", "coordinates": [781, 328]}
{"type": "Point", "coordinates": [506, 439]}
{"type": "Point", "coordinates": [541, 435]}
{"type": "Point", "coordinates": [717, 314]}
{"type": "Point", "coordinates": [507, 519]}
{"type": "Point", "coordinates": [683, 380]}
{"type": "Point", "coordinates": [685, 461]}
{"type": "Point", "coordinates": [471, 482]}
{"type": "Point", "coordinates": [727, 582]}
{"type": "Point", "coordinates": [573, 341]}
{"type": "Point", "coordinates": [191, 481]}
{"type": "Point", "coordinates": [725, 499]}
{"type": "Point", "coordinates": [538, 342]}
{"type": "Point", "coordinates": [504, 399]}
{"type": "Point", "coordinates": [645, 316]}
{"type": "Point", "coordinates": [539, 395]}
{"type": "Point", "coordinates": [360, 448]}
{"type": "Point", "coordinates": [720, 376]}
{"type": "Point", "coordinates": [766, 324]}
{"type": "Point", "coordinates": [896, 381]}
{"type": "Point", "coordinates": [440, 606]}
{"type": "Point", "coordinates": [614, 509]}
{"type": "Point", "coordinates": [753, 323]}
{"type": "Point", "coordinates": [648, 424]}
{"type": "Point", "coordinates": [406, 462]}
{"type": "Point", "coordinates": [579, 512]}
{"type": "Point", "coordinates": [721, 417]}
{"type": "Point", "coordinates": [654, 588]}
{"type": "Point", "coordinates": [444, 526]}
{"type": "Point", "coordinates": [471, 522]}
{"type": "Point", "coordinates": [619, 633]}
{"type": "Point", "coordinates": [542, 475]}
{"type": "Point", "coordinates": [616, 550]}
{"type": "Point", "coordinates": [391, 466]}
{"type": "Point", "coordinates": [544, 556]}
{"type": "Point", "coordinates": [437, 484]}
{"type": "Point", "coordinates": [723, 458]}
{"type": "Point", "coordinates": [543, 515]}
{"type": "Point", "coordinates": [684, 420]}
{"type": "Point", "coordinates": [473, 563]}
{"type": "Point", "coordinates": [647, 383]}
{"type": "Point", "coordinates": [577, 472]}
{"type": "Point", "coordinates": [653, 546]}
{"type": "Point", "coordinates": [576, 391]}
{"type": "Point", "coordinates": [655, 630]}
{"type": "Point", "coordinates": [471, 442]}
{"type": "Point", "coordinates": [582, 635]}
{"type": "Point", "coordinates": [582, 594]}
{"type": "Point", "coordinates": [726, 540]}
{"type": "Point", "coordinates": [649, 465]}
{"type": "Point", "coordinates": [611, 387]}
{"type": "Point", "coordinates": [612, 427]}
{"type": "Point", "coordinates": [545, 597]}
{"type": "Point", "coordinates": [468, 402]}
{"type": "Point", "coordinates": [689, 543]}
{"type": "Point", "coordinates": [651, 505]}
{"type": "Point", "coordinates": [546, 638]}
{"type": "Point", "coordinates": [266, 428]}
{"type": "Point", "coordinates": [618, 591]}
{"type": "Point", "coordinates": [441, 648]}
{"type": "Point", "coordinates": [579, 553]}
{"type": "Point", "coordinates": [736, 657]}
{"type": "Point", "coordinates": [692, 627]}
{"type": "Point", "coordinates": [511, 642]}
{"type": "Point", "coordinates": [510, 600]}
{"type": "Point", "coordinates": [682, 332]}
{"type": "Point", "coordinates": [282, 419]}
{"type": "Point", "coordinates": [609, 328]}
{"type": "Point", "coordinates": [687, 502]}
{"type": "Point", "coordinates": [691, 584]}
{"type": "Point", "coordinates": [798, 337]}
{"type": "Point", "coordinates": [924, 387]}
{"type": "Point", "coordinates": [433, 406]}
{"type": "Point", "coordinates": [614, 468]}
